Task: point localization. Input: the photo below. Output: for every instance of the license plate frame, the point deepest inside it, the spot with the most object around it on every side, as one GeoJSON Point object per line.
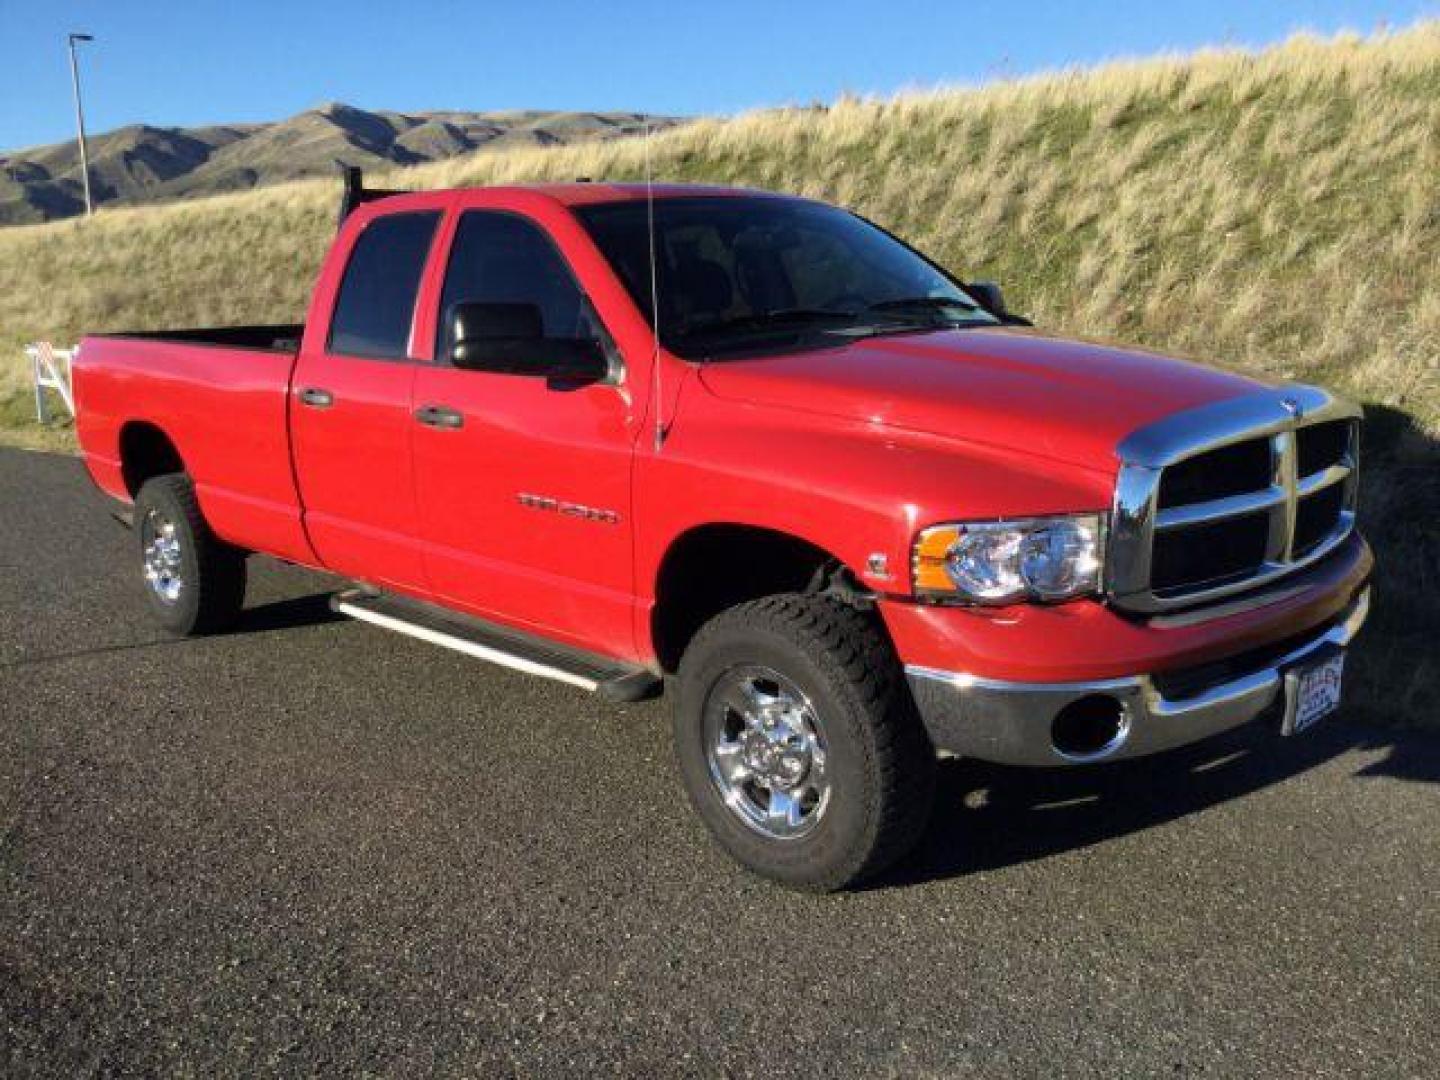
{"type": "Point", "coordinates": [1313, 689]}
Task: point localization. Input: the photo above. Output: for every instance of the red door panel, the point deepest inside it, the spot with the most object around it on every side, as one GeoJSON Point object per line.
{"type": "Point", "coordinates": [353, 460]}
{"type": "Point", "coordinates": [350, 400]}
{"type": "Point", "coordinates": [525, 509]}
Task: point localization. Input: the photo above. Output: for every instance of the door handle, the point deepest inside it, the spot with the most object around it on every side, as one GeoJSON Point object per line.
{"type": "Point", "coordinates": [438, 416]}
{"type": "Point", "coordinates": [317, 398]}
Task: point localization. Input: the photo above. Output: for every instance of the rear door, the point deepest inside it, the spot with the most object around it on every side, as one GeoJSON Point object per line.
{"type": "Point", "coordinates": [350, 405]}
{"type": "Point", "coordinates": [525, 497]}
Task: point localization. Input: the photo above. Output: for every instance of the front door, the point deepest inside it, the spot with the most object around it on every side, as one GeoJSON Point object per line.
{"type": "Point", "coordinates": [350, 408]}
{"type": "Point", "coordinates": [524, 483]}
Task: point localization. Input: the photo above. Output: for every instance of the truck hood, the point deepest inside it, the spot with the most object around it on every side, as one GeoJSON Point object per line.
{"type": "Point", "coordinates": [1065, 400]}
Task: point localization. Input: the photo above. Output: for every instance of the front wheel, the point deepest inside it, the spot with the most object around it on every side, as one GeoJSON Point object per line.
{"type": "Point", "coordinates": [798, 743]}
{"type": "Point", "coordinates": [194, 582]}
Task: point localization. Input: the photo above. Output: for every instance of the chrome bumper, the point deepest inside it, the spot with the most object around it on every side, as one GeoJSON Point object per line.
{"type": "Point", "coordinates": [1011, 722]}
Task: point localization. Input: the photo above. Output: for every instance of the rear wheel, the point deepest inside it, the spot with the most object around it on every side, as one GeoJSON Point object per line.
{"type": "Point", "coordinates": [194, 582]}
{"type": "Point", "coordinates": [798, 743]}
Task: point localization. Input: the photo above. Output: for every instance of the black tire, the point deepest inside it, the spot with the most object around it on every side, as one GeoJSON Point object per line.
{"type": "Point", "coordinates": [879, 763]}
{"type": "Point", "coordinates": [210, 573]}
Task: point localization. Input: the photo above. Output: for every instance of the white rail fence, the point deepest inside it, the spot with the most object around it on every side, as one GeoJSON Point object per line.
{"type": "Point", "coordinates": [51, 370]}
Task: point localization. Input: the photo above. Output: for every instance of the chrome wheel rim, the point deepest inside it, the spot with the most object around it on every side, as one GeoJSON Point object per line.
{"type": "Point", "coordinates": [766, 752]}
{"type": "Point", "coordinates": [160, 553]}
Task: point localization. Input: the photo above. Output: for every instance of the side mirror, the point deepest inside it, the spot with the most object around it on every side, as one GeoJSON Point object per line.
{"type": "Point", "coordinates": [989, 295]}
{"type": "Point", "coordinates": [509, 339]}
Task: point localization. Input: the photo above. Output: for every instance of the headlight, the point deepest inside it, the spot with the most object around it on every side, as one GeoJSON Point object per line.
{"type": "Point", "coordinates": [999, 562]}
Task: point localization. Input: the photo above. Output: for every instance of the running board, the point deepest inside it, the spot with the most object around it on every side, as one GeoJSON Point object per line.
{"type": "Point", "coordinates": [509, 648]}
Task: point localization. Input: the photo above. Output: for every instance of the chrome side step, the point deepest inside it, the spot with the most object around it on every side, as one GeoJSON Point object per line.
{"type": "Point", "coordinates": [498, 645]}
{"type": "Point", "coordinates": [470, 648]}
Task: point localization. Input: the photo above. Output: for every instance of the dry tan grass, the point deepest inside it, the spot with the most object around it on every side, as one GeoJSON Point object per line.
{"type": "Point", "coordinates": [1278, 212]}
{"type": "Point", "coordinates": [1274, 211]}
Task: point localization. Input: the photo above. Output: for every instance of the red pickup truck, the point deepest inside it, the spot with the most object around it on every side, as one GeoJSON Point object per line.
{"type": "Point", "coordinates": [855, 512]}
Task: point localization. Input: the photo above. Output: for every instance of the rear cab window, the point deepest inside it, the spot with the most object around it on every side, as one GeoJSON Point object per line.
{"type": "Point", "coordinates": [375, 306]}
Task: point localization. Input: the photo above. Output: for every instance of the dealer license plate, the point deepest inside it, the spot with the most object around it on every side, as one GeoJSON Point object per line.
{"type": "Point", "coordinates": [1314, 691]}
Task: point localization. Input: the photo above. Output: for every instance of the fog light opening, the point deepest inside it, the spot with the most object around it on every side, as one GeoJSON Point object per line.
{"type": "Point", "coordinates": [1090, 728]}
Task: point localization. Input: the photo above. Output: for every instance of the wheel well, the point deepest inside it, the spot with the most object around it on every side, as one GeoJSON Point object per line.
{"type": "Point", "coordinates": [145, 453]}
{"type": "Point", "coordinates": [715, 567]}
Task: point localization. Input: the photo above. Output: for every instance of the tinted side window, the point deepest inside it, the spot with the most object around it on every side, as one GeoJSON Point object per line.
{"type": "Point", "coordinates": [377, 295]}
{"type": "Point", "coordinates": [500, 258]}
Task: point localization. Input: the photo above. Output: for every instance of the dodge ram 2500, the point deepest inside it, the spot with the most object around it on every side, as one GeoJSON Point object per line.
{"type": "Point", "coordinates": [855, 513]}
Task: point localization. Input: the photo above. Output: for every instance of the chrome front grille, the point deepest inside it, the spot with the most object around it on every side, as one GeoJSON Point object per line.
{"type": "Point", "coordinates": [1226, 497]}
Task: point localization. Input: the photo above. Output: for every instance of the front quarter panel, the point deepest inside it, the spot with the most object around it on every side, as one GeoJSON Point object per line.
{"type": "Point", "coordinates": [855, 490]}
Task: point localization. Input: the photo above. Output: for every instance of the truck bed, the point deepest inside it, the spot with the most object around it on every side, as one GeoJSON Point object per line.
{"type": "Point", "coordinates": [282, 337]}
{"type": "Point", "coordinates": [219, 398]}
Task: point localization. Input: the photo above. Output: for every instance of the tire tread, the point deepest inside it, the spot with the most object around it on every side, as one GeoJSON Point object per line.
{"type": "Point", "coordinates": [220, 568]}
{"type": "Point", "coordinates": [859, 660]}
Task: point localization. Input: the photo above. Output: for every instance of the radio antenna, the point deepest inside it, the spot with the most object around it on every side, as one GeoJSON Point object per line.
{"type": "Point", "coordinates": [657, 402]}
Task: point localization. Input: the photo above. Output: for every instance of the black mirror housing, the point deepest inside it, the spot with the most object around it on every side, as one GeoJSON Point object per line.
{"type": "Point", "coordinates": [509, 339]}
{"type": "Point", "coordinates": [991, 298]}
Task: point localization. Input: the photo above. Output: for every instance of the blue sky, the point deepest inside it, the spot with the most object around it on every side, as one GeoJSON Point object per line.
{"type": "Point", "coordinates": [185, 63]}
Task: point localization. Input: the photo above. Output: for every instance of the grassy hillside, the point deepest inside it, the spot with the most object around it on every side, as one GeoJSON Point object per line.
{"type": "Point", "coordinates": [1275, 212]}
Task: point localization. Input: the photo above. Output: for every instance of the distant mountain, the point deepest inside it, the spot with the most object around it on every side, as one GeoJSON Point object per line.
{"type": "Point", "coordinates": [147, 164]}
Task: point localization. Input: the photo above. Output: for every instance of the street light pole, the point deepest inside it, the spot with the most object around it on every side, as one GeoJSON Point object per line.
{"type": "Point", "coordinates": [80, 120]}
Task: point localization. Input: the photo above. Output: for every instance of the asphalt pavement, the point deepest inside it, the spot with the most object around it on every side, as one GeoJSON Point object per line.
{"type": "Point", "coordinates": [311, 846]}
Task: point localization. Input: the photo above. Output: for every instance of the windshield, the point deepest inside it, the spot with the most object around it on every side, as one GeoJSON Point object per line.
{"type": "Point", "coordinates": [748, 274]}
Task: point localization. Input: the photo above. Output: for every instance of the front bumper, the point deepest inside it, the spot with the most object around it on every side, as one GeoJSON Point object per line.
{"type": "Point", "coordinates": [1013, 722]}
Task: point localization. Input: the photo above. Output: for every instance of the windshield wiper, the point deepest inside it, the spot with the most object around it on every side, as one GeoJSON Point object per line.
{"type": "Point", "coordinates": [937, 304]}
{"type": "Point", "coordinates": [909, 314]}
{"type": "Point", "coordinates": [876, 320]}
{"type": "Point", "coordinates": [763, 320]}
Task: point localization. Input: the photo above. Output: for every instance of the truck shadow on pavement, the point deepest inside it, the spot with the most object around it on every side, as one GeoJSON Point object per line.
{"type": "Point", "coordinates": [988, 817]}
{"type": "Point", "coordinates": [290, 614]}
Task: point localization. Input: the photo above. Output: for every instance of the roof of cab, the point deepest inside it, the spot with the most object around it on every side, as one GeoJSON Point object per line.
{"type": "Point", "coordinates": [585, 192]}
{"type": "Point", "coordinates": [577, 193]}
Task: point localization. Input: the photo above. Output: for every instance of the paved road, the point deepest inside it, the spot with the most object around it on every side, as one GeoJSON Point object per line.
{"type": "Point", "coordinates": [312, 846]}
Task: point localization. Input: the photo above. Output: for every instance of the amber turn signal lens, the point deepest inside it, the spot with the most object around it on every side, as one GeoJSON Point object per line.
{"type": "Point", "coordinates": [931, 552]}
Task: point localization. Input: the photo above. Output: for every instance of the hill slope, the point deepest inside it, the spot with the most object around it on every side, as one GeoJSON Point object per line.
{"type": "Point", "coordinates": [146, 164]}
{"type": "Point", "coordinates": [1278, 213]}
